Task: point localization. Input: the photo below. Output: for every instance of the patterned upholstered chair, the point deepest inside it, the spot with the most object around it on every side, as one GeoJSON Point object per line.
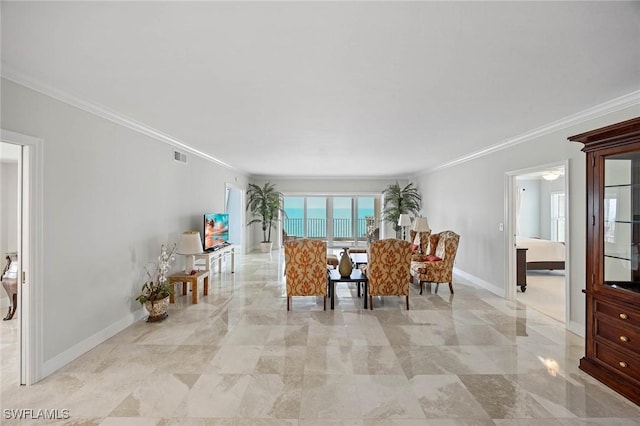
{"type": "Point", "coordinates": [306, 269]}
{"type": "Point", "coordinates": [437, 265]}
{"type": "Point", "coordinates": [388, 269]}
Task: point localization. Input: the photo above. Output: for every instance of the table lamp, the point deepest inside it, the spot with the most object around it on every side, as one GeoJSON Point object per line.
{"type": "Point", "coordinates": [189, 244]}
{"type": "Point", "coordinates": [404, 221]}
{"type": "Point", "coordinates": [420, 225]}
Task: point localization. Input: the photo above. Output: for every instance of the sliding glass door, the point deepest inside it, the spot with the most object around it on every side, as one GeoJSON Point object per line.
{"type": "Point", "coordinates": [316, 214]}
{"type": "Point", "coordinates": [339, 220]}
{"type": "Point", "coordinates": [342, 219]}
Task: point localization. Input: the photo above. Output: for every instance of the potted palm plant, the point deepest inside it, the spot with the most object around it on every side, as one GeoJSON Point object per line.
{"type": "Point", "coordinates": [397, 201]}
{"type": "Point", "coordinates": [264, 203]}
{"type": "Point", "coordinates": [156, 290]}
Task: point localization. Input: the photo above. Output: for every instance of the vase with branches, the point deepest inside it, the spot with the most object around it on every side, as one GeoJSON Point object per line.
{"type": "Point", "coordinates": [156, 289]}
{"type": "Point", "coordinates": [400, 200]}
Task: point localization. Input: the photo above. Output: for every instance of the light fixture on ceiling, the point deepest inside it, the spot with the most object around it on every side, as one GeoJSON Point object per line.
{"type": "Point", "coordinates": [551, 175]}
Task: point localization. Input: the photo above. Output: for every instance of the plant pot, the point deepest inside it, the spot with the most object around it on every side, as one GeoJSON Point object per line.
{"type": "Point", "coordinates": [157, 309]}
{"type": "Point", "coordinates": [266, 247]}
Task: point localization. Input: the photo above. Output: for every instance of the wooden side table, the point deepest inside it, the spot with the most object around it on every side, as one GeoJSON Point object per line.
{"type": "Point", "coordinates": [193, 279]}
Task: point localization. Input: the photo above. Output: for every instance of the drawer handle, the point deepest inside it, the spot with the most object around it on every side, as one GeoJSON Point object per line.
{"type": "Point", "coordinates": [624, 316]}
{"type": "Point", "coordinates": [622, 364]}
{"type": "Point", "coordinates": [624, 339]}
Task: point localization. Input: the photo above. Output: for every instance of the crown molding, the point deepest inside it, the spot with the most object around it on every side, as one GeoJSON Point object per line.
{"type": "Point", "coordinates": [320, 177]}
{"type": "Point", "coordinates": [608, 107]}
{"type": "Point", "coordinates": [13, 75]}
{"type": "Point", "coordinates": [102, 111]}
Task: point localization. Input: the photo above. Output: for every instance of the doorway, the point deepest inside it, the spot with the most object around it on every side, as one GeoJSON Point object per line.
{"type": "Point", "coordinates": [23, 154]}
{"type": "Point", "coordinates": [537, 205]}
{"type": "Point", "coordinates": [233, 206]}
{"type": "Point", "coordinates": [10, 165]}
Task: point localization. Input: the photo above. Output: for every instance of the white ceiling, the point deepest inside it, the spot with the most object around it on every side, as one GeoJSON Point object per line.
{"type": "Point", "coordinates": [330, 88]}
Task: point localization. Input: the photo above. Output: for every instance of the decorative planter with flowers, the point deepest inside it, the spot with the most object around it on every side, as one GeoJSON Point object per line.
{"type": "Point", "coordinates": [156, 290]}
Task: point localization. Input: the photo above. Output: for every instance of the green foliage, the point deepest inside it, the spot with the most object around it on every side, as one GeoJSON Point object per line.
{"type": "Point", "coordinates": [264, 203]}
{"type": "Point", "coordinates": [399, 201]}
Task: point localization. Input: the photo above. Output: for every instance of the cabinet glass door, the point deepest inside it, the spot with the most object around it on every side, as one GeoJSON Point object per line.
{"type": "Point", "coordinates": [621, 216]}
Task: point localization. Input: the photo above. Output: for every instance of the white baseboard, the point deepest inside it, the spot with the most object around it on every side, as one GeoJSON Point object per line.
{"type": "Point", "coordinates": [572, 326]}
{"type": "Point", "coordinates": [480, 282]}
{"type": "Point", "coordinates": [89, 343]}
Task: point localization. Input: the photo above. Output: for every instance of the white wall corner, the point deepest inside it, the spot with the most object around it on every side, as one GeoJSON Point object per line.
{"type": "Point", "coordinates": [576, 328]}
{"type": "Point", "coordinates": [480, 282]}
{"type": "Point", "coordinates": [60, 360]}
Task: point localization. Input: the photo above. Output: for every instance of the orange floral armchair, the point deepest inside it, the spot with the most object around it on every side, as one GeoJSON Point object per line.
{"type": "Point", "coordinates": [306, 269]}
{"type": "Point", "coordinates": [437, 265]}
{"type": "Point", "coordinates": [388, 269]}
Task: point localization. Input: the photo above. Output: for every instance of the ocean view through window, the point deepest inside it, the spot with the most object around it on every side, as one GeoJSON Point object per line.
{"type": "Point", "coordinates": [335, 219]}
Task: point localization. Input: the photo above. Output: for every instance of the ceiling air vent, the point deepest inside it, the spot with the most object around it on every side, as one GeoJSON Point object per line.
{"type": "Point", "coordinates": [179, 157]}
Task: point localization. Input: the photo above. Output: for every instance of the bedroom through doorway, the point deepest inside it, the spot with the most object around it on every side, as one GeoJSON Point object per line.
{"type": "Point", "coordinates": [540, 238]}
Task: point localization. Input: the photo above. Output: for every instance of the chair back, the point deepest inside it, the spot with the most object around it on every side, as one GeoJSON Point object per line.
{"type": "Point", "coordinates": [446, 246]}
{"type": "Point", "coordinates": [389, 267]}
{"type": "Point", "coordinates": [306, 267]}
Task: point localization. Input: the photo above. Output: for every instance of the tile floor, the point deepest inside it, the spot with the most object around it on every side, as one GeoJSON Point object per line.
{"type": "Point", "coordinates": [546, 292]}
{"type": "Point", "coordinates": [239, 358]}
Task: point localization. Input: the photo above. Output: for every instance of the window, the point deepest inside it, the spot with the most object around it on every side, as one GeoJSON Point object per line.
{"type": "Point", "coordinates": [558, 216]}
{"type": "Point", "coordinates": [316, 213]}
{"type": "Point", "coordinates": [339, 219]}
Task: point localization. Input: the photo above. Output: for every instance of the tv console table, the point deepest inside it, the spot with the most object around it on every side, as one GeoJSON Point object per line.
{"type": "Point", "coordinates": [210, 256]}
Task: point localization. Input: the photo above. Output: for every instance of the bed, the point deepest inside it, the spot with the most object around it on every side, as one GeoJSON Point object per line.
{"type": "Point", "coordinates": [535, 254]}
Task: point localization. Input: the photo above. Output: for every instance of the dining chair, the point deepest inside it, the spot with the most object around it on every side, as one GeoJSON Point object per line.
{"type": "Point", "coordinates": [306, 269]}
{"type": "Point", "coordinates": [388, 269]}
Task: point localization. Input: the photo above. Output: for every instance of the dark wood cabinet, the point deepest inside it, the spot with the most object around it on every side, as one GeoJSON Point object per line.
{"type": "Point", "coordinates": [521, 268]}
{"type": "Point", "coordinates": [612, 346]}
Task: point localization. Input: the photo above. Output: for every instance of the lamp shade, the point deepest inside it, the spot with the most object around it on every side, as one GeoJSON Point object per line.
{"type": "Point", "coordinates": [189, 243]}
{"type": "Point", "coordinates": [405, 220]}
{"type": "Point", "coordinates": [421, 224]}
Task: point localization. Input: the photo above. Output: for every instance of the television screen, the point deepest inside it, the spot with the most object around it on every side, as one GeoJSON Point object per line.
{"type": "Point", "coordinates": [216, 230]}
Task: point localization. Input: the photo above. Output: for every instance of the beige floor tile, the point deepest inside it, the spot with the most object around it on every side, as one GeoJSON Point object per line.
{"type": "Point", "coordinates": [239, 358]}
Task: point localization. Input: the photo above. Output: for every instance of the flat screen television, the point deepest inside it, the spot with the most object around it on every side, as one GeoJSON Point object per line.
{"type": "Point", "coordinates": [216, 230]}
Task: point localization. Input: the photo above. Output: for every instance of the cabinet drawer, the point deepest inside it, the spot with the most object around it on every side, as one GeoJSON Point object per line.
{"type": "Point", "coordinates": [615, 331]}
{"type": "Point", "coordinates": [618, 360]}
{"type": "Point", "coordinates": [620, 313]}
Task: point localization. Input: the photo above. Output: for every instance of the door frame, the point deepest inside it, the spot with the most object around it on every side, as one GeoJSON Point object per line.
{"type": "Point", "coordinates": [30, 250]}
{"type": "Point", "coordinates": [241, 211]}
{"type": "Point", "coordinates": [510, 231]}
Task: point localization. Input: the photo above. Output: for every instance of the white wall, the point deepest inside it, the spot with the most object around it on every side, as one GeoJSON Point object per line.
{"type": "Point", "coordinates": [535, 212]}
{"type": "Point", "coordinates": [112, 196]}
{"type": "Point", "coordinates": [469, 198]}
{"type": "Point", "coordinates": [8, 211]}
{"type": "Point", "coordinates": [529, 220]}
{"type": "Point", "coordinates": [8, 208]}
